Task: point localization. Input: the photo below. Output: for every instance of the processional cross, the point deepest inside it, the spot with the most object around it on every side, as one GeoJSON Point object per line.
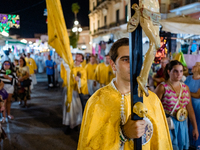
{"type": "Point", "coordinates": [145, 15]}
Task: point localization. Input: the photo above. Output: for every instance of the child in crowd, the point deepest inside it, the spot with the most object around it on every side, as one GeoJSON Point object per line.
{"type": "Point", "coordinates": [8, 76]}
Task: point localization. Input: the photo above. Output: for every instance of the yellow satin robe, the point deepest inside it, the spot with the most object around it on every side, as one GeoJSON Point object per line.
{"type": "Point", "coordinates": [83, 88]}
{"type": "Point", "coordinates": [104, 74]}
{"type": "Point", "coordinates": [30, 62]}
{"type": "Point", "coordinates": [83, 64]}
{"type": "Point", "coordinates": [101, 122]}
{"type": "Point", "coordinates": [63, 74]}
{"type": "Point", "coordinates": [90, 69]}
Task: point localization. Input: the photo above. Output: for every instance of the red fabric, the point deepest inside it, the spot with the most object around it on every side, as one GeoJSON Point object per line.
{"type": "Point", "coordinates": [160, 73]}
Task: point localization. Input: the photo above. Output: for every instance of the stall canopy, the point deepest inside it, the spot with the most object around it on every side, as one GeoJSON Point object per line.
{"type": "Point", "coordinates": [9, 40]}
{"type": "Point", "coordinates": [184, 25]}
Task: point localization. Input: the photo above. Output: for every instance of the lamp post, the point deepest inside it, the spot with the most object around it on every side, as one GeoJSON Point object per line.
{"type": "Point", "coordinates": [77, 29]}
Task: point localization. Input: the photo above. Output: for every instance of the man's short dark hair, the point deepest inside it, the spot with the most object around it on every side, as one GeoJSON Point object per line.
{"type": "Point", "coordinates": [114, 49]}
{"type": "Point", "coordinates": [81, 55]}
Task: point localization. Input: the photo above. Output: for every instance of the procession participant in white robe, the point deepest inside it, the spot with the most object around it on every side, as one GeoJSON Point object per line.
{"type": "Point", "coordinates": [40, 64]}
{"type": "Point", "coordinates": [73, 118]}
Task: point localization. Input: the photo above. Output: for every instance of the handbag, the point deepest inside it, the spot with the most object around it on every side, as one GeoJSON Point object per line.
{"type": "Point", "coordinates": [26, 83]}
{"type": "Point", "coordinates": [169, 119]}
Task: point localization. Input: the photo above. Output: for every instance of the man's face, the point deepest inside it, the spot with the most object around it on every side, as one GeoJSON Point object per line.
{"type": "Point", "coordinates": [163, 63]}
{"type": "Point", "coordinates": [28, 55]}
{"type": "Point", "coordinates": [92, 60]}
{"type": "Point", "coordinates": [107, 60]}
{"type": "Point", "coordinates": [122, 64]}
{"type": "Point", "coordinates": [79, 58]}
{"type": "Point", "coordinates": [49, 57]}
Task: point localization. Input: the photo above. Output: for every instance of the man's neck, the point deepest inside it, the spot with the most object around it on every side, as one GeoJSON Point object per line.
{"type": "Point", "coordinates": [122, 86]}
{"type": "Point", "coordinates": [106, 64]}
{"type": "Point", "coordinates": [77, 63]}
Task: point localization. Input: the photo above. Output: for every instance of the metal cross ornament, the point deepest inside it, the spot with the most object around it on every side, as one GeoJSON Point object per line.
{"type": "Point", "coordinates": [145, 15]}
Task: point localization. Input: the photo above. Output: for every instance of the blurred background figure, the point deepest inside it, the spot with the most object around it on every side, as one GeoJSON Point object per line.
{"type": "Point", "coordinates": [159, 77]}
{"type": "Point", "coordinates": [23, 92]}
{"type": "Point", "coordinates": [30, 62]}
{"type": "Point", "coordinates": [104, 73]}
{"type": "Point", "coordinates": [40, 63]}
{"type": "Point", "coordinates": [90, 69]}
{"type": "Point", "coordinates": [50, 65]}
{"type": "Point", "coordinates": [193, 82]}
{"type": "Point", "coordinates": [11, 55]}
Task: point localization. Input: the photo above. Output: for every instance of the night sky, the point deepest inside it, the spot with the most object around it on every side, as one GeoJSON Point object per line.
{"type": "Point", "coordinates": [31, 15]}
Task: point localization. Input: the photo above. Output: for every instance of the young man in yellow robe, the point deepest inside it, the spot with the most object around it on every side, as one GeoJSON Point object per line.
{"type": "Point", "coordinates": [90, 69]}
{"type": "Point", "coordinates": [104, 73]}
{"type": "Point", "coordinates": [107, 124]}
{"type": "Point", "coordinates": [30, 62]}
{"type": "Point", "coordinates": [73, 118]}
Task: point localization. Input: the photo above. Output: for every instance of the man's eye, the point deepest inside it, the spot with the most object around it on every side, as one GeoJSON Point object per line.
{"type": "Point", "coordinates": [125, 59]}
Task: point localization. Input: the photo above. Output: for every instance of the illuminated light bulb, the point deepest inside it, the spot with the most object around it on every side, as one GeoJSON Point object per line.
{"type": "Point", "coordinates": [75, 29]}
{"type": "Point", "coordinates": [76, 22]}
{"type": "Point", "coordinates": [23, 41]}
{"type": "Point", "coordinates": [4, 33]}
{"type": "Point", "coordinates": [80, 29]}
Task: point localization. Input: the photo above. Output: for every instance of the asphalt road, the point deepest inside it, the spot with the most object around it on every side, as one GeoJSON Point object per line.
{"type": "Point", "coordinates": [39, 127]}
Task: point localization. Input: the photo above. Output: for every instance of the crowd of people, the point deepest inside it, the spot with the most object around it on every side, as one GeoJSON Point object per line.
{"type": "Point", "coordinates": [172, 104]}
{"type": "Point", "coordinates": [101, 99]}
{"type": "Point", "coordinates": [17, 80]}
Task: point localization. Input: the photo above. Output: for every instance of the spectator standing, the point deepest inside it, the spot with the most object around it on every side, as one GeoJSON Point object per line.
{"type": "Point", "coordinates": [175, 98]}
{"type": "Point", "coordinates": [50, 65]}
{"type": "Point", "coordinates": [23, 76]}
{"type": "Point", "coordinates": [11, 55]}
{"type": "Point", "coordinates": [8, 76]}
{"type": "Point", "coordinates": [193, 82]}
{"type": "Point", "coordinates": [159, 77]}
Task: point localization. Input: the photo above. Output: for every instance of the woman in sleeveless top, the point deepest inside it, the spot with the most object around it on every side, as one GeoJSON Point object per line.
{"type": "Point", "coordinates": [193, 82]}
{"type": "Point", "coordinates": [175, 97]}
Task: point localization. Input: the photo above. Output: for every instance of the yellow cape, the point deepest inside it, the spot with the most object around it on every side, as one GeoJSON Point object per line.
{"type": "Point", "coordinates": [30, 62]}
{"type": "Point", "coordinates": [104, 74]}
{"type": "Point", "coordinates": [101, 122]}
{"type": "Point", "coordinates": [83, 87]}
{"type": "Point", "coordinates": [90, 69]}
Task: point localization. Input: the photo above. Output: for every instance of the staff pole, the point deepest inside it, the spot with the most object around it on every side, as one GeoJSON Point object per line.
{"type": "Point", "coordinates": [135, 51]}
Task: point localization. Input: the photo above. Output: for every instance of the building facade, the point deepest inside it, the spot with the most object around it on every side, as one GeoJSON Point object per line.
{"type": "Point", "coordinates": [108, 20]}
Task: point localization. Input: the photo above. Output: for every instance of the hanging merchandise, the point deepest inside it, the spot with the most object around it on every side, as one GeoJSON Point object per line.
{"type": "Point", "coordinates": [180, 57]}
{"type": "Point", "coordinates": [161, 52]}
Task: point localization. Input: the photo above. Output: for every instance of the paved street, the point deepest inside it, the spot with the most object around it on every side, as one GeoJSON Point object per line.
{"type": "Point", "coordinates": [39, 127]}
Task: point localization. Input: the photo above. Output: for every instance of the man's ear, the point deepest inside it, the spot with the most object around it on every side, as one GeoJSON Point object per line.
{"type": "Point", "coordinates": [112, 63]}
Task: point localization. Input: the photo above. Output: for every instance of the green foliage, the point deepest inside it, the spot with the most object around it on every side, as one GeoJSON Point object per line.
{"type": "Point", "coordinates": [73, 38]}
{"type": "Point", "coordinates": [75, 8]}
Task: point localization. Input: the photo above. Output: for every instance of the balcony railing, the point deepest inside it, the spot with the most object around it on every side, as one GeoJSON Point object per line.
{"type": "Point", "coordinates": [106, 28]}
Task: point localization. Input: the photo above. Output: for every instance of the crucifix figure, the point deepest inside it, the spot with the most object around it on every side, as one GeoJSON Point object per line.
{"type": "Point", "coordinates": [147, 14]}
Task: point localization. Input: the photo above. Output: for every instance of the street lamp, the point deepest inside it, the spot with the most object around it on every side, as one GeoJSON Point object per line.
{"type": "Point", "coordinates": [77, 29]}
